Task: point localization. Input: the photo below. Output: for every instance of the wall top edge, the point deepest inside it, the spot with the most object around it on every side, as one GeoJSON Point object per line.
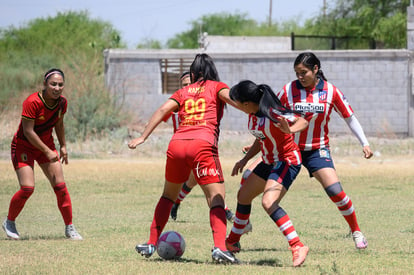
{"type": "Point", "coordinates": [176, 53]}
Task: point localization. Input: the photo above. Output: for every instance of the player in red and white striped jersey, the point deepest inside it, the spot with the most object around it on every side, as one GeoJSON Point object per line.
{"type": "Point", "coordinates": [313, 95]}
{"type": "Point", "coordinates": [280, 163]}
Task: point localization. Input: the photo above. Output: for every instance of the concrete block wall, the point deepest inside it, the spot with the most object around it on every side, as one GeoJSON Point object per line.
{"type": "Point", "coordinates": [377, 83]}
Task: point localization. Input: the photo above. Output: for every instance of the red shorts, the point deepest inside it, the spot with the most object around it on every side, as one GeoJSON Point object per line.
{"type": "Point", "coordinates": [193, 154]}
{"type": "Point", "coordinates": [25, 155]}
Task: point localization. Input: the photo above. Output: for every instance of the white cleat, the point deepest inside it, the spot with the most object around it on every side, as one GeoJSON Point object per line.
{"type": "Point", "coordinates": [10, 229]}
{"type": "Point", "coordinates": [71, 233]}
{"type": "Point", "coordinates": [360, 240]}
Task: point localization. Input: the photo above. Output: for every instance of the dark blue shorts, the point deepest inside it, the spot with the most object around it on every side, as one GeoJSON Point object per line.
{"type": "Point", "coordinates": [284, 173]}
{"type": "Point", "coordinates": [317, 159]}
{"type": "Point", "coordinates": [263, 170]}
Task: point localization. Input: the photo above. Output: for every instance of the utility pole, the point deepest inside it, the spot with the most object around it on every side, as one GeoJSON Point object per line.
{"type": "Point", "coordinates": [270, 13]}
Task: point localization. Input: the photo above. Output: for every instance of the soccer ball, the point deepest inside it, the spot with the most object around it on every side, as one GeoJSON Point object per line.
{"type": "Point", "coordinates": [170, 245]}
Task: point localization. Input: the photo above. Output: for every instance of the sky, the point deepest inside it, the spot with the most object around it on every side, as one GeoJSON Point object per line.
{"type": "Point", "coordinates": [138, 20]}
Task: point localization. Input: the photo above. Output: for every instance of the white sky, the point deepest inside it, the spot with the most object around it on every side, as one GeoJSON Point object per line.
{"type": "Point", "coordinates": [155, 19]}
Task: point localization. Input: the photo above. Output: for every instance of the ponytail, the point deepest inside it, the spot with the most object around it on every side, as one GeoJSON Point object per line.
{"type": "Point", "coordinates": [320, 74]}
{"type": "Point", "coordinates": [269, 104]}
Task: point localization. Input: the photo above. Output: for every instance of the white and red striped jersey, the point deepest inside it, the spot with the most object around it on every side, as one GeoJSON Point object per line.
{"type": "Point", "coordinates": [175, 119]}
{"type": "Point", "coordinates": [275, 144]}
{"type": "Point", "coordinates": [317, 106]}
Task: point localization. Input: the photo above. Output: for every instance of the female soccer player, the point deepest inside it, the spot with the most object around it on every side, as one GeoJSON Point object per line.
{"type": "Point", "coordinates": [42, 111]}
{"type": "Point", "coordinates": [312, 94]}
{"type": "Point", "coordinates": [185, 80]}
{"type": "Point", "coordinates": [281, 162]}
{"type": "Point", "coordinates": [193, 147]}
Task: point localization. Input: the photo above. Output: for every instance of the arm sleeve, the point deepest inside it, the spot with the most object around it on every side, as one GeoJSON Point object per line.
{"type": "Point", "coordinates": [356, 129]}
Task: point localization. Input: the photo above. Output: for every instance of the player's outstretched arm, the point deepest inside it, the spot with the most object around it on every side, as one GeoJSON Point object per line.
{"type": "Point", "coordinates": [156, 118]}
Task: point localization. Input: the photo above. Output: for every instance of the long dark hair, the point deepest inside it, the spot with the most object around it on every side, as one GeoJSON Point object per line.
{"type": "Point", "coordinates": [309, 60]}
{"type": "Point", "coordinates": [203, 68]}
{"type": "Point", "coordinates": [269, 104]}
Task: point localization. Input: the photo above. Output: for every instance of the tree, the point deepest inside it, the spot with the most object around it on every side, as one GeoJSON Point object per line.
{"type": "Point", "coordinates": [237, 24]}
{"type": "Point", "coordinates": [149, 44]}
{"type": "Point", "coordinates": [382, 20]}
{"type": "Point", "coordinates": [70, 41]}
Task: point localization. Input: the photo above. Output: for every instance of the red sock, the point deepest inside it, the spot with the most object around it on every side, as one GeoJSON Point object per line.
{"type": "Point", "coordinates": [285, 225]}
{"type": "Point", "coordinates": [18, 200]}
{"type": "Point", "coordinates": [218, 226]}
{"type": "Point", "coordinates": [161, 215]}
{"type": "Point", "coordinates": [64, 203]}
{"type": "Point", "coordinates": [344, 204]}
{"type": "Point", "coordinates": [240, 222]}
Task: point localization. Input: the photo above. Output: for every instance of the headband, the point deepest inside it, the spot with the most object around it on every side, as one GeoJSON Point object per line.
{"type": "Point", "coordinates": [52, 72]}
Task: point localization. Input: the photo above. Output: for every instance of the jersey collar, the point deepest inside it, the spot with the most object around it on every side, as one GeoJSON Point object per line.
{"type": "Point", "coordinates": [319, 86]}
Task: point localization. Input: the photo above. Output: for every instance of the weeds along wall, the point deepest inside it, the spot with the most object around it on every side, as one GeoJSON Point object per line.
{"type": "Point", "coordinates": [377, 83]}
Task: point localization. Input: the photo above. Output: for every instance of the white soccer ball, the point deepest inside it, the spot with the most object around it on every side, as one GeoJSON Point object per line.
{"type": "Point", "coordinates": [170, 245]}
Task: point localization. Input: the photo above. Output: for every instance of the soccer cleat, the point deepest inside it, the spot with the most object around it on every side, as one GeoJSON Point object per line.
{"type": "Point", "coordinates": [248, 228]}
{"type": "Point", "coordinates": [299, 254]}
{"type": "Point", "coordinates": [145, 249]}
{"type": "Point", "coordinates": [223, 257]}
{"type": "Point", "coordinates": [71, 233]}
{"type": "Point", "coordinates": [233, 247]}
{"type": "Point", "coordinates": [10, 229]}
{"type": "Point", "coordinates": [230, 216]}
{"type": "Point", "coordinates": [174, 210]}
{"type": "Point", "coordinates": [360, 240]}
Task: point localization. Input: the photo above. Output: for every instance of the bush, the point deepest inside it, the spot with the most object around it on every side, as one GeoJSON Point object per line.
{"type": "Point", "coordinates": [74, 43]}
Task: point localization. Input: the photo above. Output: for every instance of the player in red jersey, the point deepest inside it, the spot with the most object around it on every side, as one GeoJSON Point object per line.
{"type": "Point", "coordinates": [193, 148]}
{"type": "Point", "coordinates": [272, 125]}
{"type": "Point", "coordinates": [33, 141]}
{"type": "Point", "coordinates": [312, 94]}
{"type": "Point", "coordinates": [185, 80]}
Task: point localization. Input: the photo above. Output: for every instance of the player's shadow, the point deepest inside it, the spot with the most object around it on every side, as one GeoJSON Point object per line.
{"type": "Point", "coordinates": [265, 262]}
{"type": "Point", "coordinates": [275, 262]}
{"type": "Point", "coordinates": [37, 238]}
{"type": "Point", "coordinates": [181, 260]}
{"type": "Point", "coordinates": [262, 249]}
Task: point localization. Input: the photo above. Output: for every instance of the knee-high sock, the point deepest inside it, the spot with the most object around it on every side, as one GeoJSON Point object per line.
{"type": "Point", "coordinates": [64, 203]}
{"type": "Point", "coordinates": [161, 215]}
{"type": "Point", "coordinates": [240, 222]}
{"type": "Point", "coordinates": [185, 190]}
{"type": "Point", "coordinates": [344, 204]}
{"type": "Point", "coordinates": [218, 226]}
{"type": "Point", "coordinates": [285, 225]}
{"type": "Point", "coordinates": [245, 175]}
{"type": "Point", "coordinates": [18, 201]}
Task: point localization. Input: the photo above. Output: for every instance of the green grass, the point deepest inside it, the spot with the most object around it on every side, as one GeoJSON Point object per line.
{"type": "Point", "coordinates": [113, 203]}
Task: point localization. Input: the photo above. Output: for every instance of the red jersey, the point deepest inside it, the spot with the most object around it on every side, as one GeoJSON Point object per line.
{"type": "Point", "coordinates": [200, 111]}
{"type": "Point", "coordinates": [275, 144]}
{"type": "Point", "coordinates": [44, 116]}
{"type": "Point", "coordinates": [317, 106]}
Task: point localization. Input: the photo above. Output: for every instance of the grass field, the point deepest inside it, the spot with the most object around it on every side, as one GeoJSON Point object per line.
{"type": "Point", "coordinates": [114, 198]}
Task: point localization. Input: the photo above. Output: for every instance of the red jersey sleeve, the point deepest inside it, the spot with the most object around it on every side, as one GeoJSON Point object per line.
{"type": "Point", "coordinates": [341, 104]}
{"type": "Point", "coordinates": [30, 108]}
{"type": "Point", "coordinates": [221, 86]}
